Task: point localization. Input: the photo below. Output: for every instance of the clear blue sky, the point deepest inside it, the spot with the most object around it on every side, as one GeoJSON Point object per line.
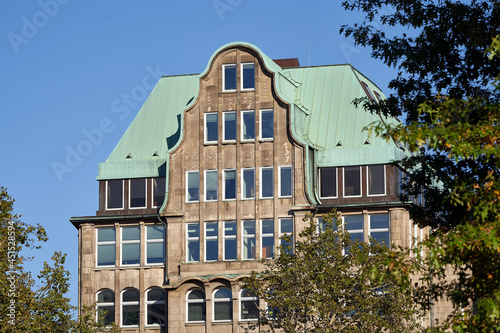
{"type": "Point", "coordinates": [66, 63]}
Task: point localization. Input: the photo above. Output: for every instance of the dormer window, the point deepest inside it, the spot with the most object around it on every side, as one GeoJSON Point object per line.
{"type": "Point", "coordinates": [229, 77]}
{"type": "Point", "coordinates": [248, 76]}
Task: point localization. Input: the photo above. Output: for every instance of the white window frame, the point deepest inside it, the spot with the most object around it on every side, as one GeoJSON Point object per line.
{"type": "Point", "coordinates": [262, 183]}
{"type": "Point", "coordinates": [207, 238]}
{"type": "Point", "coordinates": [360, 183]}
{"type": "Point", "coordinates": [229, 237]}
{"type": "Point", "coordinates": [224, 185]}
{"type": "Point", "coordinates": [281, 167]}
{"type": "Point", "coordinates": [224, 126]}
{"type": "Point", "coordinates": [194, 301]}
{"type": "Point", "coordinates": [187, 186]}
{"type": "Point", "coordinates": [154, 240]}
{"type": "Point", "coordinates": [370, 229]}
{"type": "Point", "coordinates": [130, 194]}
{"type": "Point", "coordinates": [286, 233]}
{"type": "Point", "coordinates": [188, 239]}
{"type": "Point", "coordinates": [205, 129]}
{"type": "Point", "coordinates": [124, 242]}
{"type": "Point", "coordinates": [103, 304]}
{"type": "Point", "coordinates": [160, 178]}
{"type": "Point", "coordinates": [147, 303]}
{"type": "Point", "coordinates": [242, 76]}
{"type": "Point", "coordinates": [123, 195]}
{"type": "Point", "coordinates": [261, 123]}
{"type": "Point", "coordinates": [263, 235]}
{"type": "Point", "coordinates": [222, 300]}
{"type": "Point", "coordinates": [103, 243]}
{"type": "Point", "coordinates": [205, 186]}
{"type": "Point", "coordinates": [336, 182]}
{"type": "Point", "coordinates": [122, 304]}
{"type": "Point", "coordinates": [243, 237]}
{"type": "Point", "coordinates": [368, 181]}
{"type": "Point", "coordinates": [243, 170]}
{"type": "Point", "coordinates": [224, 77]}
{"type": "Point", "coordinates": [246, 299]}
{"type": "Point", "coordinates": [242, 123]}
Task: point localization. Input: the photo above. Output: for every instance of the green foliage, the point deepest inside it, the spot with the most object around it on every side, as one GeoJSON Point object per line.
{"type": "Point", "coordinates": [319, 286]}
{"type": "Point", "coordinates": [448, 91]}
{"type": "Point", "coordinates": [26, 306]}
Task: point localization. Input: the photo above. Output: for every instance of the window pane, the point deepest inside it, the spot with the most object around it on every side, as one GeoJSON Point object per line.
{"type": "Point", "coordinates": [381, 237]}
{"type": "Point", "coordinates": [156, 294]}
{"type": "Point", "coordinates": [248, 76]}
{"type": "Point", "coordinates": [130, 315]}
{"type": "Point", "coordinates": [193, 230]}
{"type": "Point", "coordinates": [229, 77]}
{"type": "Point", "coordinates": [352, 181]}
{"type": "Point", "coordinates": [248, 228]}
{"type": "Point", "coordinates": [376, 179]}
{"type": "Point", "coordinates": [196, 294]}
{"type": "Point", "coordinates": [138, 192]}
{"type": "Point", "coordinates": [131, 295]}
{"type": "Point", "coordinates": [248, 125]}
{"type": "Point", "coordinates": [267, 226]}
{"type": "Point", "coordinates": [211, 128]}
{"type": "Point", "coordinates": [267, 184]}
{"type": "Point", "coordinates": [223, 311]}
{"type": "Point", "coordinates": [193, 186]}
{"type": "Point", "coordinates": [131, 233]}
{"type": "Point", "coordinates": [106, 235]}
{"type": "Point", "coordinates": [230, 184]}
{"type": "Point", "coordinates": [230, 228]}
{"type": "Point", "coordinates": [156, 314]}
{"type": "Point", "coordinates": [353, 222]}
{"type": "Point", "coordinates": [196, 312]}
{"type": "Point", "coordinates": [267, 238]}
{"type": "Point", "coordinates": [194, 250]}
{"type": "Point", "coordinates": [106, 296]}
{"type": "Point", "coordinates": [378, 221]}
{"type": "Point", "coordinates": [328, 178]}
{"type": "Point", "coordinates": [286, 226]}
{"type": "Point", "coordinates": [211, 248]}
{"type": "Point", "coordinates": [229, 126]}
{"type": "Point", "coordinates": [156, 253]}
{"type": "Point", "coordinates": [286, 182]}
{"type": "Point", "coordinates": [115, 193]}
{"type": "Point", "coordinates": [211, 185]}
{"type": "Point", "coordinates": [248, 183]}
{"type": "Point", "coordinates": [106, 255]}
{"type": "Point", "coordinates": [110, 313]}
{"type": "Point", "coordinates": [248, 251]}
{"type": "Point", "coordinates": [267, 124]}
{"type": "Point", "coordinates": [230, 243]}
{"type": "Point", "coordinates": [249, 310]}
{"type": "Point", "coordinates": [158, 191]}
{"type": "Point", "coordinates": [130, 254]}
{"type": "Point", "coordinates": [155, 232]}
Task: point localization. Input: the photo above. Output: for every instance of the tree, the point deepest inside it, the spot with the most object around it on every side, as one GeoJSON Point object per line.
{"type": "Point", "coordinates": [331, 283]}
{"type": "Point", "coordinates": [447, 92]}
{"type": "Point", "coordinates": [30, 307]}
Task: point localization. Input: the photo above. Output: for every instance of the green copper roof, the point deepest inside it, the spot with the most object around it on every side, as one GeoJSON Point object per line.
{"type": "Point", "coordinates": [322, 116]}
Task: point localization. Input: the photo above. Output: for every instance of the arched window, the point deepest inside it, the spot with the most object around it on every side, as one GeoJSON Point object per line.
{"type": "Point", "coordinates": [196, 309]}
{"type": "Point", "coordinates": [248, 306]}
{"type": "Point", "coordinates": [130, 307]}
{"type": "Point", "coordinates": [155, 304]}
{"type": "Point", "coordinates": [106, 306]}
{"type": "Point", "coordinates": [223, 305]}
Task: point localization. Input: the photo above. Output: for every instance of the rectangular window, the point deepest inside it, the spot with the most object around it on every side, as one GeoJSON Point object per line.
{"type": "Point", "coordinates": [155, 245]}
{"type": "Point", "coordinates": [352, 181]}
{"type": "Point", "coordinates": [114, 194]}
{"type": "Point", "coordinates": [285, 181]}
{"type": "Point", "coordinates": [286, 228]}
{"type": "Point", "coordinates": [131, 245]}
{"type": "Point", "coordinates": [193, 242]}
{"type": "Point", "coordinates": [158, 191]}
{"type": "Point", "coordinates": [376, 179]}
{"type": "Point", "coordinates": [267, 238]}
{"type": "Point", "coordinates": [229, 184]}
{"type": "Point", "coordinates": [230, 240]}
{"type": "Point", "coordinates": [193, 186]}
{"type": "Point", "coordinates": [138, 193]}
{"type": "Point", "coordinates": [211, 127]}
{"type": "Point", "coordinates": [248, 239]}
{"type": "Point", "coordinates": [229, 77]}
{"type": "Point", "coordinates": [106, 246]}
{"type": "Point", "coordinates": [229, 128]}
{"type": "Point", "coordinates": [328, 182]}
{"type": "Point", "coordinates": [248, 183]}
{"type": "Point", "coordinates": [353, 224]}
{"type": "Point", "coordinates": [248, 125]}
{"type": "Point", "coordinates": [267, 124]}
{"type": "Point", "coordinates": [211, 241]}
{"type": "Point", "coordinates": [211, 182]}
{"type": "Point", "coordinates": [266, 182]}
{"type": "Point", "coordinates": [322, 225]}
{"type": "Point", "coordinates": [379, 228]}
{"type": "Point", "coordinates": [248, 74]}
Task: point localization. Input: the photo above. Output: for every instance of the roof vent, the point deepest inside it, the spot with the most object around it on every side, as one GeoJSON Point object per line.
{"type": "Point", "coordinates": [129, 156]}
{"type": "Point", "coordinates": [367, 142]}
{"type": "Point", "coordinates": [155, 154]}
{"type": "Point", "coordinates": [339, 144]}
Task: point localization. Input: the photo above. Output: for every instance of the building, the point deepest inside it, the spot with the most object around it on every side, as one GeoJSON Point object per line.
{"type": "Point", "coordinates": [217, 166]}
